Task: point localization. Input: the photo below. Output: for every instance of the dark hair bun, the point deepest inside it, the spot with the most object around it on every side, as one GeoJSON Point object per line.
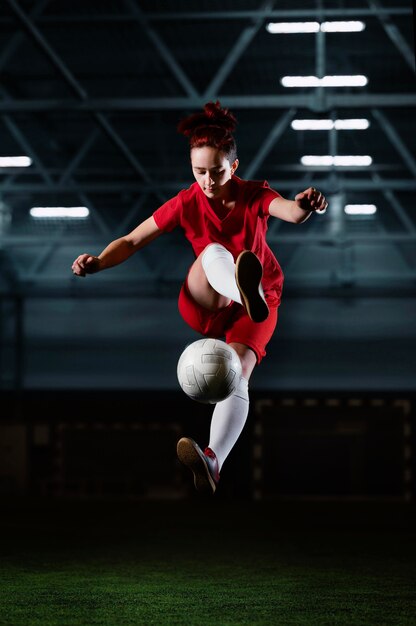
{"type": "Point", "coordinates": [212, 115]}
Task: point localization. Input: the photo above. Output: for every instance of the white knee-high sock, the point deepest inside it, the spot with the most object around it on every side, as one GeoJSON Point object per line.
{"type": "Point", "coordinates": [219, 267]}
{"type": "Point", "coordinates": [228, 420]}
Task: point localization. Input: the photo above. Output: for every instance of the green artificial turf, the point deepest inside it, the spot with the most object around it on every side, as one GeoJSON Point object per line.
{"type": "Point", "coordinates": [200, 563]}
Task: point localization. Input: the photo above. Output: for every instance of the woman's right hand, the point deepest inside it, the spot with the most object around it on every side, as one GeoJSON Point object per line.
{"type": "Point", "coordinates": [86, 264]}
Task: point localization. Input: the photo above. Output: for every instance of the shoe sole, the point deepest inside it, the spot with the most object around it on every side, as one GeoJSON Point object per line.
{"type": "Point", "coordinates": [190, 455]}
{"type": "Point", "coordinates": [248, 274]}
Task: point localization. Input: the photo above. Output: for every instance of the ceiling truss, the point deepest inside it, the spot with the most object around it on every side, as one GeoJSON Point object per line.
{"type": "Point", "coordinates": [44, 180]}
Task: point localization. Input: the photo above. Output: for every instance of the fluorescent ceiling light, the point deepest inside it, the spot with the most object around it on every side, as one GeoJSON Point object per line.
{"type": "Point", "coordinates": [292, 27]}
{"type": "Point", "coordinates": [350, 26]}
{"type": "Point", "coordinates": [352, 124]}
{"type": "Point", "coordinates": [327, 81]}
{"type": "Point", "coordinates": [343, 161]}
{"type": "Point", "coordinates": [325, 124]}
{"type": "Point", "coordinates": [312, 124]}
{"type": "Point", "coordinates": [59, 211]}
{"type": "Point", "coordinates": [16, 161]}
{"type": "Point", "coordinates": [278, 28]}
{"type": "Point", "coordinates": [360, 209]}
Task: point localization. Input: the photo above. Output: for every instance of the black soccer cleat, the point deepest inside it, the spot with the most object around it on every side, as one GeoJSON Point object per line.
{"type": "Point", "coordinates": [203, 465]}
{"type": "Point", "coordinates": [248, 274]}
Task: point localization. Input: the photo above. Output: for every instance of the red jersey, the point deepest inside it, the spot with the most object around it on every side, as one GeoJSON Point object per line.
{"type": "Point", "coordinates": [242, 228]}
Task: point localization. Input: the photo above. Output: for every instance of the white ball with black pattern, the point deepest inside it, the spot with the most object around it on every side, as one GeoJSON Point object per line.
{"type": "Point", "coordinates": [209, 370]}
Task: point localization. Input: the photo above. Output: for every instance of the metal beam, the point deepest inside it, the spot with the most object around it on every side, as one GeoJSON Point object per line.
{"type": "Point", "coordinates": [312, 238]}
{"type": "Point", "coordinates": [138, 290]}
{"type": "Point", "coordinates": [106, 171]}
{"type": "Point", "coordinates": [96, 216]}
{"type": "Point", "coordinates": [295, 288]}
{"type": "Point", "coordinates": [326, 278]}
{"type": "Point", "coordinates": [277, 14]}
{"type": "Point", "coordinates": [75, 86]}
{"type": "Point", "coordinates": [110, 235]}
{"type": "Point", "coordinates": [237, 50]}
{"type": "Point", "coordinates": [43, 260]}
{"type": "Point", "coordinates": [394, 34]}
{"type": "Point", "coordinates": [34, 34]}
{"type": "Point", "coordinates": [406, 222]}
{"type": "Point", "coordinates": [396, 205]}
{"type": "Point", "coordinates": [127, 219]}
{"type": "Point", "coordinates": [348, 184]}
{"type": "Point", "coordinates": [9, 269]}
{"type": "Point", "coordinates": [40, 263]}
{"type": "Point", "coordinates": [20, 138]}
{"type": "Point", "coordinates": [76, 160]}
{"type": "Point", "coordinates": [166, 16]}
{"type": "Point", "coordinates": [25, 144]}
{"type": "Point", "coordinates": [396, 140]}
{"type": "Point", "coordinates": [131, 158]}
{"type": "Point", "coordinates": [271, 139]}
{"type": "Point", "coordinates": [18, 37]}
{"type": "Point", "coordinates": [238, 102]}
{"type": "Point", "coordinates": [163, 50]}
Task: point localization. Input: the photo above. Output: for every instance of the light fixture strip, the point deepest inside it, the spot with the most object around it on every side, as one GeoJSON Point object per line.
{"type": "Point", "coordinates": [360, 209]}
{"type": "Point", "coordinates": [327, 160]}
{"type": "Point", "coordinates": [289, 28]}
{"type": "Point", "coordinates": [75, 212]}
{"type": "Point", "coordinates": [327, 124]}
{"type": "Point", "coordinates": [15, 161]}
{"type": "Point", "coordinates": [346, 26]}
{"type": "Point", "coordinates": [357, 80]}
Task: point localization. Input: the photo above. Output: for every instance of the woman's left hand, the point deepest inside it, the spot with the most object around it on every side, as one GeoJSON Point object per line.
{"type": "Point", "coordinates": [311, 200]}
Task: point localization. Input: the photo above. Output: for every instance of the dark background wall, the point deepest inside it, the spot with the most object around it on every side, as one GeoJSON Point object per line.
{"type": "Point", "coordinates": [89, 396]}
{"type": "Point", "coordinates": [344, 343]}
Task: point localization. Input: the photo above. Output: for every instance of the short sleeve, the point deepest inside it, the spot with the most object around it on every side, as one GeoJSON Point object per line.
{"type": "Point", "coordinates": [167, 216]}
{"type": "Point", "coordinates": [264, 196]}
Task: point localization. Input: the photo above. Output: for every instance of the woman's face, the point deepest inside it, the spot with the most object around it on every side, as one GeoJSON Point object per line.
{"type": "Point", "coordinates": [212, 170]}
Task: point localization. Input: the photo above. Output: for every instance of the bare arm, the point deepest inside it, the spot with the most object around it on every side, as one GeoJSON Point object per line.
{"type": "Point", "coordinates": [118, 250]}
{"type": "Point", "coordinates": [298, 210]}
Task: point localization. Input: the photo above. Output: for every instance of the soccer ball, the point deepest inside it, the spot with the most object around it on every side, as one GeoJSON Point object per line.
{"type": "Point", "coordinates": [209, 370]}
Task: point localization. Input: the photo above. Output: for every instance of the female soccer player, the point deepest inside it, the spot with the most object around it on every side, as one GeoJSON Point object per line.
{"type": "Point", "coordinates": [234, 286]}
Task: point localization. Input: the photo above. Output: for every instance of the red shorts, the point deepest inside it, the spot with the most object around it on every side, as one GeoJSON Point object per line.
{"type": "Point", "coordinates": [232, 322]}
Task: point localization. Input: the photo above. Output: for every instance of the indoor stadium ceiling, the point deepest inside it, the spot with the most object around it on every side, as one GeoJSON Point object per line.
{"type": "Point", "coordinates": [92, 92]}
